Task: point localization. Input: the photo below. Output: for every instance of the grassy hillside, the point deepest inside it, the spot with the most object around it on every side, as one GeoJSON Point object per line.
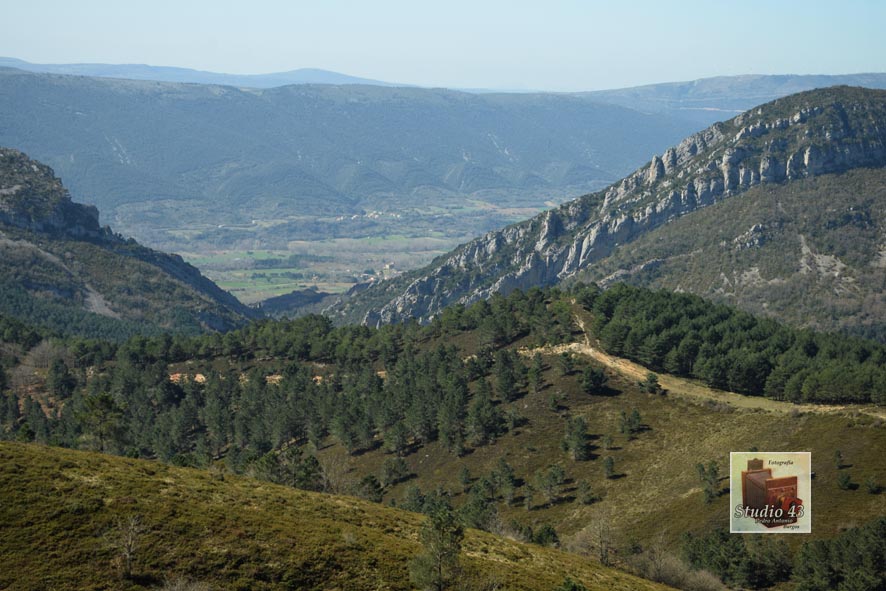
{"type": "Point", "coordinates": [107, 289]}
{"type": "Point", "coordinates": [60, 511]}
{"type": "Point", "coordinates": [658, 492]}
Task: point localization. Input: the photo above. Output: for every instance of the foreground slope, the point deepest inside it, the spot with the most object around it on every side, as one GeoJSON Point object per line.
{"type": "Point", "coordinates": [507, 381]}
{"type": "Point", "coordinates": [60, 507]}
{"type": "Point", "coordinates": [61, 270]}
{"type": "Point", "coordinates": [504, 405]}
{"type": "Point", "coordinates": [804, 136]}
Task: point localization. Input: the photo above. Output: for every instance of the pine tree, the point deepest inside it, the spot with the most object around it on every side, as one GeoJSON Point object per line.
{"type": "Point", "coordinates": [609, 467]}
{"type": "Point", "coordinates": [635, 423]}
{"type": "Point", "coordinates": [464, 477]}
{"type": "Point", "coordinates": [450, 424]}
{"type": "Point", "coordinates": [710, 476]}
{"type": "Point", "coordinates": [104, 418]}
{"type": "Point", "coordinates": [535, 377]}
{"type": "Point", "coordinates": [570, 585]}
{"type": "Point", "coordinates": [506, 375]}
{"type": "Point", "coordinates": [567, 364]}
{"type": "Point", "coordinates": [528, 496]}
{"type": "Point", "coordinates": [396, 438]}
{"type": "Point", "coordinates": [505, 481]}
{"type": "Point", "coordinates": [546, 535]}
{"type": "Point", "coordinates": [484, 420]}
{"type": "Point", "coordinates": [548, 482]}
{"type": "Point", "coordinates": [60, 383]}
{"type": "Point", "coordinates": [575, 441]}
{"type": "Point", "coordinates": [586, 495]}
{"type": "Point", "coordinates": [630, 424]}
{"type": "Point", "coordinates": [593, 379]}
{"type": "Point", "coordinates": [437, 567]}
{"type": "Point", "coordinates": [394, 470]}
{"type": "Point", "coordinates": [650, 384]}
{"type": "Point", "coordinates": [413, 499]}
{"type": "Point", "coordinates": [370, 489]}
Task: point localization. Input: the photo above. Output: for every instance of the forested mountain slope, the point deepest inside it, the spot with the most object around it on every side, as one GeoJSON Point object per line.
{"type": "Point", "coordinates": [788, 151]}
{"type": "Point", "coordinates": [498, 408]}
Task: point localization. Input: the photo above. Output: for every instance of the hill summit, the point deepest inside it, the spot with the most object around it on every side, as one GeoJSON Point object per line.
{"type": "Point", "coordinates": [32, 198]}
{"type": "Point", "coordinates": [796, 138]}
{"type": "Point", "coordinates": [60, 269]}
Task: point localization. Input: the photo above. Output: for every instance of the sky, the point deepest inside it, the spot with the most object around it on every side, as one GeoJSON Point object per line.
{"type": "Point", "coordinates": [518, 45]}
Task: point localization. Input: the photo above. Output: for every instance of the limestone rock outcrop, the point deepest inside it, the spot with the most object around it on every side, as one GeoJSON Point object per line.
{"type": "Point", "coordinates": [809, 134]}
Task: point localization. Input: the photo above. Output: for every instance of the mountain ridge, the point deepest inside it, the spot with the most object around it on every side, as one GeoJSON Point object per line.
{"type": "Point", "coordinates": [655, 96]}
{"type": "Point", "coordinates": [774, 143]}
{"type": "Point", "coordinates": [316, 150]}
{"type": "Point", "coordinates": [57, 255]}
{"type": "Point", "coordinates": [707, 100]}
{"type": "Point", "coordinates": [192, 76]}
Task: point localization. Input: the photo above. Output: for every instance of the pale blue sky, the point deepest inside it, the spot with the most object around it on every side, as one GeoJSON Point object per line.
{"type": "Point", "coordinates": [550, 45]}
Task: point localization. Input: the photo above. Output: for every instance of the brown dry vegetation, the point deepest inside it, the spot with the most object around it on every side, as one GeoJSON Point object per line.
{"type": "Point", "coordinates": [61, 512]}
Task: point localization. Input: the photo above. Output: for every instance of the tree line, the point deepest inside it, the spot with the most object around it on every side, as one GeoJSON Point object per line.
{"type": "Point", "coordinates": [726, 348]}
{"type": "Point", "coordinates": [856, 559]}
{"type": "Point", "coordinates": [396, 386]}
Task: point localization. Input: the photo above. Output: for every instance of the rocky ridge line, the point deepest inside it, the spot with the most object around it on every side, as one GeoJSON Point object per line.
{"type": "Point", "coordinates": [804, 135]}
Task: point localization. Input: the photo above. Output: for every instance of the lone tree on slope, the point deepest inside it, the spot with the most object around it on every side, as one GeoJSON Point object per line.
{"type": "Point", "coordinates": [437, 568]}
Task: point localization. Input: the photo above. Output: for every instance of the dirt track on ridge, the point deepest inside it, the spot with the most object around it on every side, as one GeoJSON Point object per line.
{"type": "Point", "coordinates": [696, 391]}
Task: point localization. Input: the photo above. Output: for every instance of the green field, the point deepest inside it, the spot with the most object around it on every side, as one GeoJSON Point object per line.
{"type": "Point", "coordinates": [387, 238]}
{"type": "Point", "coordinates": [334, 266]}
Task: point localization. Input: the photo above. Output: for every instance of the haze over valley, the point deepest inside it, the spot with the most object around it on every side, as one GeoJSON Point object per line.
{"type": "Point", "coordinates": [272, 190]}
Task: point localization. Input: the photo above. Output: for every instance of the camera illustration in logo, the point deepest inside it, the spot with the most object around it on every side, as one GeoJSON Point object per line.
{"type": "Point", "coordinates": [771, 501]}
{"type": "Point", "coordinates": [774, 489]}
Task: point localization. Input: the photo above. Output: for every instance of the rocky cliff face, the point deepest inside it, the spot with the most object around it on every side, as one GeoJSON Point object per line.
{"type": "Point", "coordinates": [32, 198]}
{"type": "Point", "coordinates": [801, 136]}
{"type": "Point", "coordinates": [54, 254]}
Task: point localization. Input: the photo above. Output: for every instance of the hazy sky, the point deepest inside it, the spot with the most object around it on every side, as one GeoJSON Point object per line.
{"type": "Point", "coordinates": [508, 44]}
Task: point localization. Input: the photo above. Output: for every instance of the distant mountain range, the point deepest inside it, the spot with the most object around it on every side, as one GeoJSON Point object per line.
{"type": "Point", "coordinates": [60, 270]}
{"type": "Point", "coordinates": [709, 100]}
{"type": "Point", "coordinates": [780, 210]}
{"type": "Point", "coordinates": [187, 75]}
{"type": "Point", "coordinates": [727, 94]}
{"type": "Point", "coordinates": [167, 154]}
{"type": "Point", "coordinates": [196, 167]}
